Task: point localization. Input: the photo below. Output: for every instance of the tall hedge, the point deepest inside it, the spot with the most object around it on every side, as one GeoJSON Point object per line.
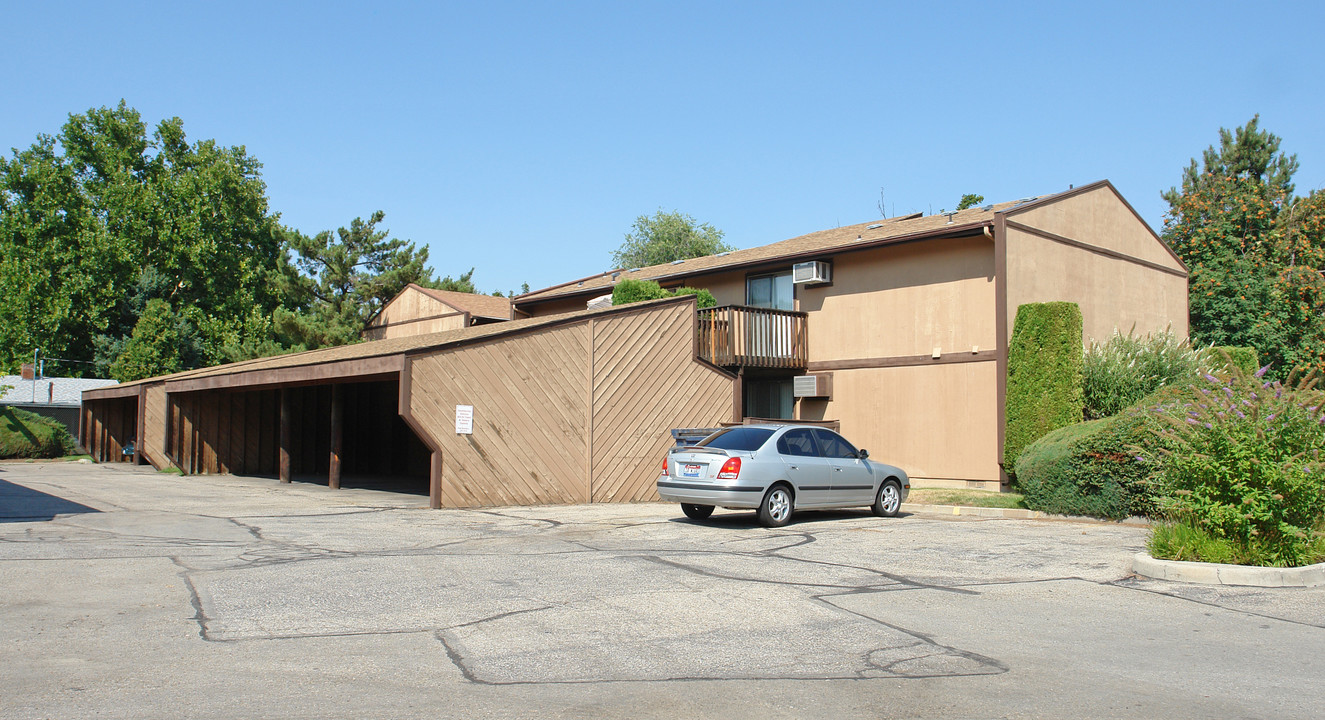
{"type": "Point", "coordinates": [1044, 375]}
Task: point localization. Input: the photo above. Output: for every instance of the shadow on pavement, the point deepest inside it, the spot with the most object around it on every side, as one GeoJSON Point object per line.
{"type": "Point", "coordinates": [748, 518]}
{"type": "Point", "coordinates": [23, 504]}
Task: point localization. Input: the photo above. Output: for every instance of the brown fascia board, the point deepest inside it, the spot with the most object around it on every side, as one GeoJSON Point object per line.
{"type": "Point", "coordinates": [382, 365]}
{"type": "Point", "coordinates": [945, 231]}
{"type": "Point", "coordinates": [119, 391]}
{"type": "Point", "coordinates": [1056, 197]}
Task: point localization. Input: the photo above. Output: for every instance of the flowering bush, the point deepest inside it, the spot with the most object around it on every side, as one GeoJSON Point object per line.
{"type": "Point", "coordinates": [1120, 372]}
{"type": "Point", "coordinates": [1242, 464]}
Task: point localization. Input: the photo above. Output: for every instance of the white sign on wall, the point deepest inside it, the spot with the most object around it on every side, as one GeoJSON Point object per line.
{"type": "Point", "coordinates": [464, 419]}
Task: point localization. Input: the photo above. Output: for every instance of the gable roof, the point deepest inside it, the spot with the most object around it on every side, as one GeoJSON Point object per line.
{"type": "Point", "coordinates": [484, 306]}
{"type": "Point", "coordinates": [861, 236]}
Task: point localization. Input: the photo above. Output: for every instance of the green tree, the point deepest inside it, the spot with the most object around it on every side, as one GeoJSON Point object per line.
{"type": "Point", "coordinates": [162, 342]}
{"type": "Point", "coordinates": [666, 237]}
{"type": "Point", "coordinates": [969, 200]}
{"type": "Point", "coordinates": [86, 213]}
{"type": "Point", "coordinates": [1246, 152]}
{"type": "Point", "coordinates": [339, 280]}
{"type": "Point", "coordinates": [1253, 250]}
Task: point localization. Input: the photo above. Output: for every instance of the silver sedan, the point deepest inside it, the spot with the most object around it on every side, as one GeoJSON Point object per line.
{"type": "Point", "coordinates": [777, 469]}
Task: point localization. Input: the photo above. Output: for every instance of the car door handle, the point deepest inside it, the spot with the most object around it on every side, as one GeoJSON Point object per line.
{"type": "Point", "coordinates": [793, 467]}
{"type": "Point", "coordinates": [837, 469]}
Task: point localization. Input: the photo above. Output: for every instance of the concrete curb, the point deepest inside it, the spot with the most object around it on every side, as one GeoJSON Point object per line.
{"type": "Point", "coordinates": [1215, 574]}
{"type": "Point", "coordinates": [1012, 513]}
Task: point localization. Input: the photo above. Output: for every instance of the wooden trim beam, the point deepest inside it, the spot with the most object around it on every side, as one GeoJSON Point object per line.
{"type": "Point", "coordinates": [285, 436]}
{"type": "Point", "coordinates": [114, 391]}
{"type": "Point", "coordinates": [904, 361]}
{"type": "Point", "coordinates": [337, 435]}
{"type": "Point", "coordinates": [1001, 335]}
{"type": "Point", "coordinates": [1092, 249]}
{"type": "Point", "coordinates": [357, 369]}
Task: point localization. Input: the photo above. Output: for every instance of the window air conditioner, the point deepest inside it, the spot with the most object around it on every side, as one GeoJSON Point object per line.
{"type": "Point", "coordinates": [810, 273]}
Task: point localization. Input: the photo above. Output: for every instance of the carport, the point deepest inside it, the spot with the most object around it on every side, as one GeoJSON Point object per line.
{"type": "Point", "coordinates": [110, 423]}
{"type": "Point", "coordinates": [562, 409]}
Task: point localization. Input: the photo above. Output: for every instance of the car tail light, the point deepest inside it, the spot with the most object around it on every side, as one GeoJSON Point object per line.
{"type": "Point", "coordinates": [664, 472]}
{"type": "Point", "coordinates": [730, 469]}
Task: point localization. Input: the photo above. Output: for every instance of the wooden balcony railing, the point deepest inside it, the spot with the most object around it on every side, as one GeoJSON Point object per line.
{"type": "Point", "coordinates": [737, 335]}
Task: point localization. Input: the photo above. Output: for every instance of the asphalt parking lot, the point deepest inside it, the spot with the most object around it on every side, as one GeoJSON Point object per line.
{"type": "Point", "coordinates": [126, 593]}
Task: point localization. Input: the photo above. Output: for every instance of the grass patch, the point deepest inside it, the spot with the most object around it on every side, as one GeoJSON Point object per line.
{"type": "Point", "coordinates": [1184, 541]}
{"type": "Point", "coordinates": [963, 496]}
{"type": "Point", "coordinates": [171, 471]}
{"type": "Point", "coordinates": [28, 435]}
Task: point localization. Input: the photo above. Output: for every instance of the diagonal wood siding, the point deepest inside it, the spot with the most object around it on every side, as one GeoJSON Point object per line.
{"type": "Point", "coordinates": [646, 382]}
{"type": "Point", "coordinates": [530, 400]}
{"type": "Point", "coordinates": [575, 413]}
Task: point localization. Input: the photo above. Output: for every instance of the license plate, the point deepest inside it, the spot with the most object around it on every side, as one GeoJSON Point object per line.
{"type": "Point", "coordinates": [691, 470]}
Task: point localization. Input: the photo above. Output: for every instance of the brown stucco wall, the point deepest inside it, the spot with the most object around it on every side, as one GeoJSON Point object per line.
{"type": "Point", "coordinates": [939, 423]}
{"type": "Point", "coordinates": [1114, 293]}
{"type": "Point", "coordinates": [1102, 218]}
{"type": "Point", "coordinates": [904, 300]}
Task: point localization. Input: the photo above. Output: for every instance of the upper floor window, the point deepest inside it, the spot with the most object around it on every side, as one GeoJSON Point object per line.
{"type": "Point", "coordinates": [770, 291]}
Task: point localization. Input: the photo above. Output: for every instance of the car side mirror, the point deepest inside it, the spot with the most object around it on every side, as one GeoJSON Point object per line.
{"type": "Point", "coordinates": [863, 454]}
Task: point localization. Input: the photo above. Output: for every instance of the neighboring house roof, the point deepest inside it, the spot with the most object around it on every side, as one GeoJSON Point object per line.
{"type": "Point", "coordinates": [48, 390]}
{"type": "Point", "coordinates": [484, 306]}
{"type": "Point", "coordinates": [816, 244]}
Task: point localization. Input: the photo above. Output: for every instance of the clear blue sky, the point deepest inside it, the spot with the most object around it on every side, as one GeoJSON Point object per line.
{"type": "Point", "coordinates": [523, 139]}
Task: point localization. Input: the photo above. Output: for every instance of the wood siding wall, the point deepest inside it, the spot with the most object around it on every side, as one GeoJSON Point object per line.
{"type": "Point", "coordinates": [154, 426]}
{"type": "Point", "coordinates": [413, 313]}
{"type": "Point", "coordinates": [573, 413]}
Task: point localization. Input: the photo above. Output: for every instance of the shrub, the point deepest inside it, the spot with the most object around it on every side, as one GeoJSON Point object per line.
{"type": "Point", "coordinates": [1119, 373]}
{"type": "Point", "coordinates": [703, 297]}
{"type": "Point", "coordinates": [629, 291]}
{"type": "Point", "coordinates": [1091, 469]}
{"type": "Point", "coordinates": [29, 435]}
{"type": "Point", "coordinates": [1242, 464]}
{"type": "Point", "coordinates": [1243, 358]}
{"type": "Point", "coordinates": [1044, 375]}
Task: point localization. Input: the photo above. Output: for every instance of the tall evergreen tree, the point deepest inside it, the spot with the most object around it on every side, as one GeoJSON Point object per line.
{"type": "Point", "coordinates": [340, 280]}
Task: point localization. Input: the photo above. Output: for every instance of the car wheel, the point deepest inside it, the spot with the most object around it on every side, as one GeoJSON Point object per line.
{"type": "Point", "coordinates": [889, 500]}
{"type": "Point", "coordinates": [775, 510]}
{"type": "Point", "coordinates": [697, 512]}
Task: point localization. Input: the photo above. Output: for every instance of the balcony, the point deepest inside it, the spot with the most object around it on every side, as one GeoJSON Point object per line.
{"type": "Point", "coordinates": [741, 336]}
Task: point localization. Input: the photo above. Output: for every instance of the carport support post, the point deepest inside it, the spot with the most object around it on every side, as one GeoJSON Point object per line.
{"type": "Point", "coordinates": [285, 436]}
{"type": "Point", "coordinates": [337, 435]}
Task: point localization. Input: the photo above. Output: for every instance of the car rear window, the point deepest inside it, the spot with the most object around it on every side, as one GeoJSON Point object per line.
{"type": "Point", "coordinates": [738, 438]}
